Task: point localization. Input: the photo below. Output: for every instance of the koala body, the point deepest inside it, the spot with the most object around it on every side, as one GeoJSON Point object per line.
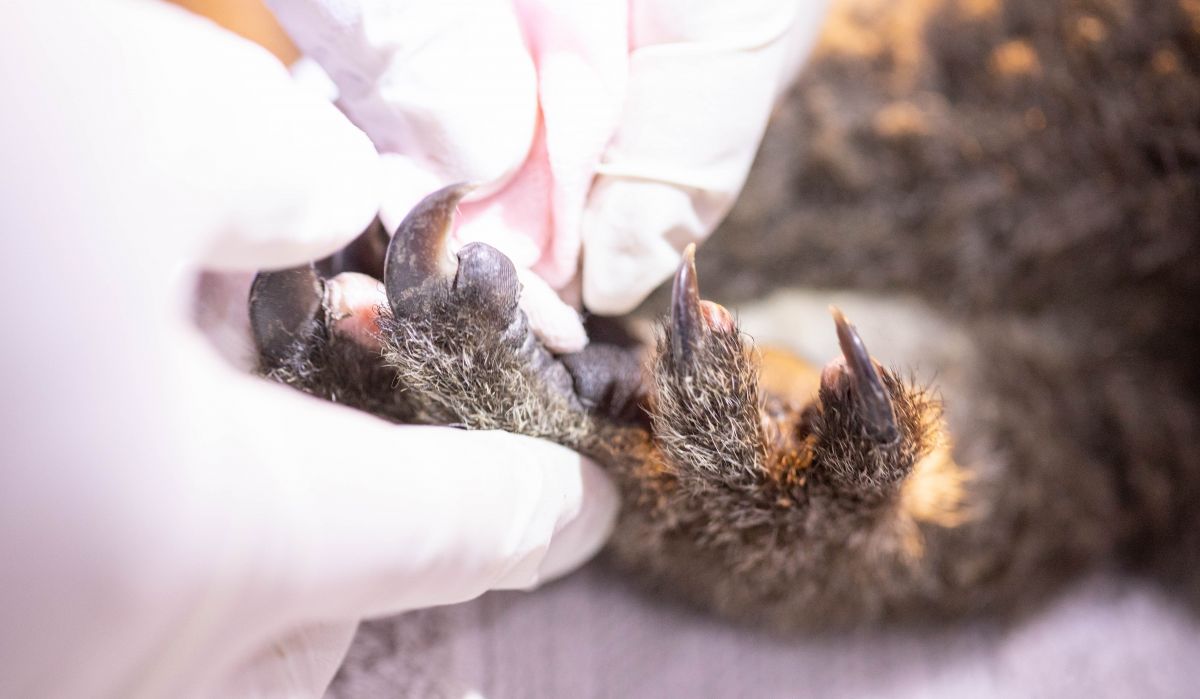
{"type": "Point", "coordinates": [1028, 172]}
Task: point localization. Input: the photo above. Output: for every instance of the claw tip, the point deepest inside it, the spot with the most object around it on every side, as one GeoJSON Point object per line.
{"type": "Point", "coordinates": [418, 252]}
{"type": "Point", "coordinates": [686, 318]}
{"type": "Point", "coordinates": [867, 384]}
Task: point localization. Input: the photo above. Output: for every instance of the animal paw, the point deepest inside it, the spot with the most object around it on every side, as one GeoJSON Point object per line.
{"type": "Point", "coordinates": [446, 342]}
{"type": "Point", "coordinates": [458, 341]}
{"type": "Point", "coordinates": [314, 332]}
{"type": "Point", "coordinates": [757, 503]}
{"type": "Point", "coordinates": [788, 510]}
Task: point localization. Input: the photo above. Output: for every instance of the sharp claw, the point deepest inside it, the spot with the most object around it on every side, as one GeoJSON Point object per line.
{"type": "Point", "coordinates": [866, 385]}
{"type": "Point", "coordinates": [418, 254]}
{"type": "Point", "coordinates": [285, 309]}
{"type": "Point", "coordinates": [687, 322]}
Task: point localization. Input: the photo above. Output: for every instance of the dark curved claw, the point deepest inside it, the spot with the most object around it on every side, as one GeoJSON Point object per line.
{"type": "Point", "coordinates": [866, 385]}
{"type": "Point", "coordinates": [286, 310]}
{"type": "Point", "coordinates": [417, 255]}
{"type": "Point", "coordinates": [687, 320]}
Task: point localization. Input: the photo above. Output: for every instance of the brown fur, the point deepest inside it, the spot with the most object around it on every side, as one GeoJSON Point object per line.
{"type": "Point", "coordinates": [1030, 169]}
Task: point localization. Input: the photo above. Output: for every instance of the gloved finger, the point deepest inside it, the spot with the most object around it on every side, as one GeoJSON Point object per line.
{"type": "Point", "coordinates": [353, 301]}
{"type": "Point", "coordinates": [300, 663]}
{"type": "Point", "coordinates": [581, 51]}
{"type": "Point", "coordinates": [702, 83]}
{"type": "Point", "coordinates": [204, 131]}
{"type": "Point", "coordinates": [438, 120]}
{"type": "Point", "coordinates": [362, 517]}
{"type": "Point", "coordinates": [288, 176]}
{"type": "Point", "coordinates": [555, 323]}
{"type": "Point", "coordinates": [450, 86]}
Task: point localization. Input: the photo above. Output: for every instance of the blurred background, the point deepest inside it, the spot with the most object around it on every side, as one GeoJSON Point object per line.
{"type": "Point", "coordinates": [1028, 156]}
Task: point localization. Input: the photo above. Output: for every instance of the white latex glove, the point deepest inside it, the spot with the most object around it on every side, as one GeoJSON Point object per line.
{"type": "Point", "coordinates": [622, 128]}
{"type": "Point", "coordinates": [171, 526]}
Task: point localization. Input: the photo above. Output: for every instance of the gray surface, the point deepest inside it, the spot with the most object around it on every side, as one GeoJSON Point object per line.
{"type": "Point", "coordinates": [595, 636]}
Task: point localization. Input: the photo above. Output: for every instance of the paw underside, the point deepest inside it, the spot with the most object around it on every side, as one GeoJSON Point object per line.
{"type": "Point", "coordinates": [735, 498]}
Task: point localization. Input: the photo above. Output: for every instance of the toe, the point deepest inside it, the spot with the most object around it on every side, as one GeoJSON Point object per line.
{"type": "Point", "coordinates": [286, 310]}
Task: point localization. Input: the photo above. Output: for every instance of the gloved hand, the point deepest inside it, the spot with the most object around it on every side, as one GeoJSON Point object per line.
{"type": "Point", "coordinates": [624, 129]}
{"type": "Point", "coordinates": [169, 525]}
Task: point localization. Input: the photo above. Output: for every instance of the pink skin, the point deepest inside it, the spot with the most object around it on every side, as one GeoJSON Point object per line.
{"type": "Point", "coordinates": [716, 316]}
{"type": "Point", "coordinates": [353, 301]}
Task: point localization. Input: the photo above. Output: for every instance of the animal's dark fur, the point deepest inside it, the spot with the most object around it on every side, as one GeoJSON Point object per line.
{"type": "Point", "coordinates": [1032, 170]}
{"type": "Point", "coordinates": [342, 372]}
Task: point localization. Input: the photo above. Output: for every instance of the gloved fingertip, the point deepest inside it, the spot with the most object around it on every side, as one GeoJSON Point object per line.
{"type": "Point", "coordinates": [404, 183]}
{"type": "Point", "coordinates": [634, 233]}
{"type": "Point", "coordinates": [615, 281]}
{"type": "Point", "coordinates": [301, 663]}
{"type": "Point", "coordinates": [581, 536]}
{"type": "Point", "coordinates": [312, 78]}
{"type": "Point", "coordinates": [556, 324]}
{"type": "Point", "coordinates": [307, 184]}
